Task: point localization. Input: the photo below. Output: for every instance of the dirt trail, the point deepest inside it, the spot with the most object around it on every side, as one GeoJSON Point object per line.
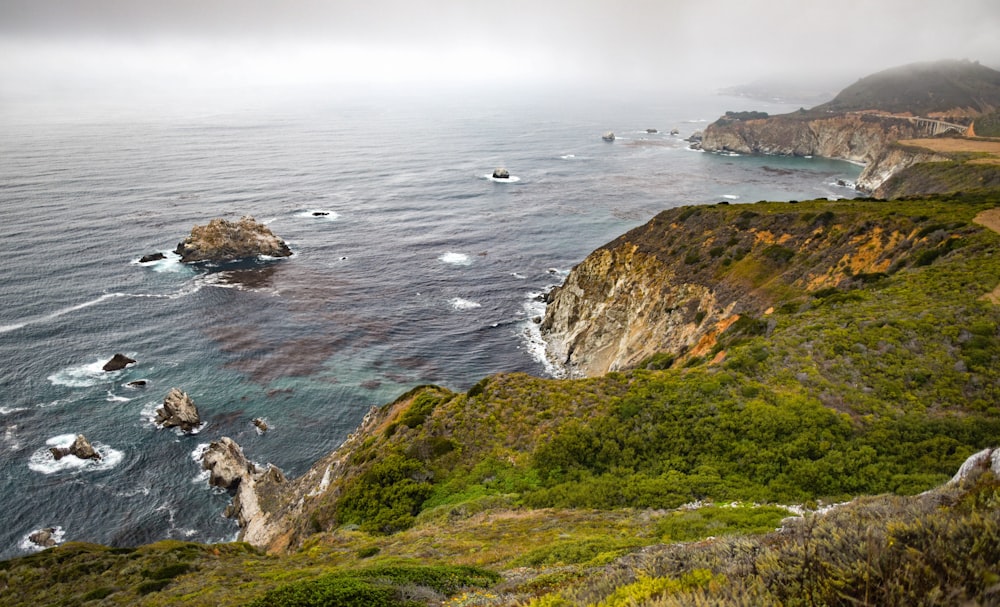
{"type": "Point", "coordinates": [991, 220]}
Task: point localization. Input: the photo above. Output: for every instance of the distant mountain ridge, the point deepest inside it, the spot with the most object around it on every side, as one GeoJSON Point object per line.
{"type": "Point", "coordinates": [938, 88]}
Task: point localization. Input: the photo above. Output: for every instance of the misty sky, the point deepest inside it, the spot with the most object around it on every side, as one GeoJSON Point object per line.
{"type": "Point", "coordinates": [62, 44]}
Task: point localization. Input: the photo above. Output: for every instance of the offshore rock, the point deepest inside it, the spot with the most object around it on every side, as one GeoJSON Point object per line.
{"type": "Point", "coordinates": [152, 257]}
{"type": "Point", "coordinates": [178, 410]}
{"type": "Point", "coordinates": [609, 136]}
{"type": "Point", "coordinates": [80, 448]}
{"type": "Point", "coordinates": [222, 241]}
{"type": "Point", "coordinates": [44, 537]}
{"type": "Point", "coordinates": [501, 173]}
{"type": "Point", "coordinates": [117, 363]}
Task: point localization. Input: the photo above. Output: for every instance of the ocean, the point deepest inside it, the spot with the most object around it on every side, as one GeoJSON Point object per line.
{"type": "Point", "coordinates": [411, 266]}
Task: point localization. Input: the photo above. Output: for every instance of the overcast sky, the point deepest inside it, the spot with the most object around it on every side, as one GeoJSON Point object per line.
{"type": "Point", "coordinates": [666, 43]}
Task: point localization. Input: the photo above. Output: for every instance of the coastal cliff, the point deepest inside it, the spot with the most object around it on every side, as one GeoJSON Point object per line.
{"type": "Point", "coordinates": [857, 137]}
{"type": "Point", "coordinates": [672, 286]}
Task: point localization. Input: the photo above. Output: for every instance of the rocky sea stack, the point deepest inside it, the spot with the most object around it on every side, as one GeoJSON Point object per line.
{"type": "Point", "coordinates": [223, 241]}
{"type": "Point", "coordinates": [178, 410]}
{"type": "Point", "coordinates": [117, 363]}
{"type": "Point", "coordinates": [80, 448]}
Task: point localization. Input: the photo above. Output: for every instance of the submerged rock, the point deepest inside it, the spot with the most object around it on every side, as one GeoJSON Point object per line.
{"type": "Point", "coordinates": [501, 173]}
{"type": "Point", "coordinates": [152, 257]}
{"type": "Point", "coordinates": [139, 383]}
{"type": "Point", "coordinates": [117, 363]}
{"type": "Point", "coordinates": [80, 448]}
{"type": "Point", "coordinates": [178, 411]}
{"type": "Point", "coordinates": [222, 241]}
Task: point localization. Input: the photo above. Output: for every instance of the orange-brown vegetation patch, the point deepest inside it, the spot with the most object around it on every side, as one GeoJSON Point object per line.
{"type": "Point", "coordinates": [708, 340]}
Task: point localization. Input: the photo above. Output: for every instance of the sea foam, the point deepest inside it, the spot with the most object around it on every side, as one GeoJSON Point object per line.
{"type": "Point", "coordinates": [463, 304]}
{"type": "Point", "coordinates": [455, 259]}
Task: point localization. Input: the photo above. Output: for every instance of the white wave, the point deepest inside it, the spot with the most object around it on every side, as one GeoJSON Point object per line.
{"type": "Point", "coordinates": [171, 262]}
{"type": "Point", "coordinates": [568, 156]}
{"type": "Point", "coordinates": [511, 179]}
{"type": "Point", "coordinates": [14, 327]}
{"type": "Point", "coordinates": [58, 534]}
{"type": "Point", "coordinates": [9, 410]}
{"type": "Point", "coordinates": [321, 214]}
{"type": "Point", "coordinates": [518, 275]}
{"type": "Point", "coordinates": [730, 196]}
{"type": "Point", "coordinates": [43, 461]}
{"type": "Point", "coordinates": [148, 413]}
{"type": "Point", "coordinates": [82, 376]}
{"type": "Point", "coordinates": [463, 304]}
{"type": "Point", "coordinates": [197, 454]}
{"type": "Point", "coordinates": [114, 398]}
{"type": "Point", "coordinates": [10, 437]}
{"type": "Point", "coordinates": [455, 259]}
{"type": "Point", "coordinates": [143, 491]}
{"type": "Point", "coordinates": [531, 335]}
{"type": "Point", "coordinates": [691, 149]}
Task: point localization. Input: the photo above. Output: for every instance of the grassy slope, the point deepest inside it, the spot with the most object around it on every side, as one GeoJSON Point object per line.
{"type": "Point", "coordinates": [885, 384]}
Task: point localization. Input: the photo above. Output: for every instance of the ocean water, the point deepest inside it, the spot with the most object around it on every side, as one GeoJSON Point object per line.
{"type": "Point", "coordinates": [423, 269]}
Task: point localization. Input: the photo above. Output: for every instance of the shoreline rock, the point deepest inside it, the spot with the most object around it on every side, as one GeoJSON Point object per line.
{"type": "Point", "coordinates": [44, 538]}
{"type": "Point", "coordinates": [501, 173]}
{"type": "Point", "coordinates": [178, 410]}
{"type": "Point", "coordinates": [222, 241]}
{"type": "Point", "coordinates": [152, 257]}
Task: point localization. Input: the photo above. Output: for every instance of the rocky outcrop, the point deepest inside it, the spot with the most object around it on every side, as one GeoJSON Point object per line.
{"type": "Point", "coordinates": [152, 257]}
{"type": "Point", "coordinates": [44, 538]}
{"type": "Point", "coordinates": [501, 173]}
{"type": "Point", "coordinates": [222, 241]}
{"type": "Point", "coordinates": [892, 161]}
{"type": "Point", "coordinates": [857, 137]}
{"type": "Point", "coordinates": [987, 460]}
{"type": "Point", "coordinates": [609, 136]}
{"type": "Point", "coordinates": [80, 448]}
{"type": "Point", "coordinates": [178, 410]}
{"type": "Point", "coordinates": [117, 363]}
{"type": "Point", "coordinates": [254, 489]}
{"type": "Point", "coordinates": [676, 285]}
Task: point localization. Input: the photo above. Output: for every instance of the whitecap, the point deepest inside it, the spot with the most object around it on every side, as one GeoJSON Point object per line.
{"type": "Point", "coordinates": [43, 461]}
{"type": "Point", "coordinates": [114, 398]}
{"type": "Point", "coordinates": [148, 413]}
{"type": "Point", "coordinates": [82, 376]}
{"type": "Point", "coordinates": [511, 179]}
{"type": "Point", "coordinates": [9, 410]}
{"type": "Point", "coordinates": [171, 262]}
{"type": "Point", "coordinates": [320, 214]}
{"type": "Point", "coordinates": [568, 156]}
{"type": "Point", "coordinates": [455, 259]}
{"type": "Point", "coordinates": [730, 196]}
{"type": "Point", "coordinates": [9, 328]}
{"type": "Point", "coordinates": [518, 275]}
{"type": "Point", "coordinates": [197, 454]}
{"type": "Point", "coordinates": [463, 304]}
{"type": "Point", "coordinates": [58, 535]}
{"type": "Point", "coordinates": [10, 437]}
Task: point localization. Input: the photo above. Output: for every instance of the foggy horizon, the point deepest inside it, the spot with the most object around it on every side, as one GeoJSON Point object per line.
{"type": "Point", "coordinates": [67, 48]}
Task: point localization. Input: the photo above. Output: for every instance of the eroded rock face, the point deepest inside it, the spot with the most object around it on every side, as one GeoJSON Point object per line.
{"type": "Point", "coordinates": [117, 363]}
{"type": "Point", "coordinates": [987, 460]}
{"type": "Point", "coordinates": [222, 241]}
{"type": "Point", "coordinates": [178, 410]}
{"type": "Point", "coordinates": [80, 448]}
{"type": "Point", "coordinates": [856, 137]}
{"type": "Point", "coordinates": [226, 464]}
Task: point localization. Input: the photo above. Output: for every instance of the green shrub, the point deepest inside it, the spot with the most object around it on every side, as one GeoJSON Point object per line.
{"type": "Point", "coordinates": [386, 497]}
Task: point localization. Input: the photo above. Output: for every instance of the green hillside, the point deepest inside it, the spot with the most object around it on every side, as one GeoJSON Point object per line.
{"type": "Point", "coordinates": [948, 87]}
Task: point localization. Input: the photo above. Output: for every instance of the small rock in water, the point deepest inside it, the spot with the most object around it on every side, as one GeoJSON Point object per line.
{"type": "Point", "coordinates": [320, 213]}
{"type": "Point", "coordinates": [117, 363]}
{"type": "Point", "coordinates": [152, 257]}
{"type": "Point", "coordinates": [178, 410]}
{"type": "Point", "coordinates": [260, 424]}
{"type": "Point", "coordinates": [139, 383]}
{"type": "Point", "coordinates": [501, 173]}
{"type": "Point", "coordinates": [652, 131]}
{"type": "Point", "coordinates": [44, 537]}
{"type": "Point", "coordinates": [609, 136]}
{"type": "Point", "coordinates": [81, 448]}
